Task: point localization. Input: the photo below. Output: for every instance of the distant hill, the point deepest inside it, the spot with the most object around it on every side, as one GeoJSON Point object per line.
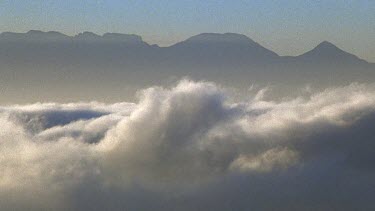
{"type": "Point", "coordinates": [223, 46]}
{"type": "Point", "coordinates": [327, 52]}
{"type": "Point", "coordinates": [44, 65]}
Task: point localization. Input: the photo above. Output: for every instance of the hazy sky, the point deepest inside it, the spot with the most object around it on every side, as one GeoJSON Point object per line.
{"type": "Point", "coordinates": [287, 27]}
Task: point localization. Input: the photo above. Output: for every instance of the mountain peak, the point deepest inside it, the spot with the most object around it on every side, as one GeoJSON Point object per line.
{"type": "Point", "coordinates": [110, 37]}
{"type": "Point", "coordinates": [35, 32]}
{"type": "Point", "coordinates": [49, 33]}
{"type": "Point", "coordinates": [34, 36]}
{"type": "Point", "coordinates": [327, 51]}
{"type": "Point", "coordinates": [123, 37]}
{"type": "Point", "coordinates": [87, 35]}
{"type": "Point", "coordinates": [326, 48]}
{"type": "Point", "coordinates": [325, 45]}
{"type": "Point", "coordinates": [228, 45]}
{"type": "Point", "coordinates": [220, 38]}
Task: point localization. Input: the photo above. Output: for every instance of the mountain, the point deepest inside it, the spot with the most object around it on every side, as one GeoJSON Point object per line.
{"type": "Point", "coordinates": [55, 37]}
{"type": "Point", "coordinates": [33, 36]}
{"type": "Point", "coordinates": [327, 52]}
{"type": "Point", "coordinates": [107, 38]}
{"type": "Point", "coordinates": [211, 48]}
{"type": "Point", "coordinates": [41, 65]}
{"type": "Point", "coordinates": [228, 44]}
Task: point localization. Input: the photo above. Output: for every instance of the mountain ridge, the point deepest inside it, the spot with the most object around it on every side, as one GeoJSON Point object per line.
{"type": "Point", "coordinates": [205, 39]}
{"type": "Point", "coordinates": [48, 65]}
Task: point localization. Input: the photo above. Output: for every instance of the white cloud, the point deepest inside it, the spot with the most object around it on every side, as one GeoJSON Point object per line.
{"type": "Point", "coordinates": [185, 142]}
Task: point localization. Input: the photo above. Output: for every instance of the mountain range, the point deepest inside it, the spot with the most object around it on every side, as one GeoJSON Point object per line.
{"type": "Point", "coordinates": [40, 66]}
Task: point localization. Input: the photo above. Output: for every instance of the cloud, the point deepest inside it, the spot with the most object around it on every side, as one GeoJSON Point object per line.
{"type": "Point", "coordinates": [189, 147]}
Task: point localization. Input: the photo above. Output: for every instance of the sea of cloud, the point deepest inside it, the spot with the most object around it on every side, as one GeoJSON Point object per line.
{"type": "Point", "coordinates": [190, 147]}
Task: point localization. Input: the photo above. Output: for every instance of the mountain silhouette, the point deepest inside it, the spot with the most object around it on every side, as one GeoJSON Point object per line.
{"type": "Point", "coordinates": [206, 46]}
{"type": "Point", "coordinates": [225, 48]}
{"type": "Point", "coordinates": [44, 65]}
{"type": "Point", "coordinates": [227, 41]}
{"type": "Point", "coordinates": [117, 38]}
{"type": "Point", "coordinates": [328, 52]}
{"type": "Point", "coordinates": [33, 36]}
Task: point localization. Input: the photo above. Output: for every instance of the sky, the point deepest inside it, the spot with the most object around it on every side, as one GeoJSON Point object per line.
{"type": "Point", "coordinates": [286, 27]}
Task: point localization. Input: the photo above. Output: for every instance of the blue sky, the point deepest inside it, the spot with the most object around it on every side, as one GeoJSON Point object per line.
{"type": "Point", "coordinates": [287, 27]}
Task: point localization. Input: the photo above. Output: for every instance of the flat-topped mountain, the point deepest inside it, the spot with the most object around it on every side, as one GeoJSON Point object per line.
{"type": "Point", "coordinates": [53, 37]}
{"type": "Point", "coordinates": [109, 37]}
{"type": "Point", "coordinates": [117, 61]}
{"type": "Point", "coordinates": [228, 47]}
{"type": "Point", "coordinates": [33, 35]}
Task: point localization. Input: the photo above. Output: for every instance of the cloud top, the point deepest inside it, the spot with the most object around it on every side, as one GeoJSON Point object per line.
{"type": "Point", "coordinates": [189, 147]}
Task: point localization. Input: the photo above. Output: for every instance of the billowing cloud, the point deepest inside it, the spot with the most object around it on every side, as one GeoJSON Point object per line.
{"type": "Point", "coordinates": [190, 147]}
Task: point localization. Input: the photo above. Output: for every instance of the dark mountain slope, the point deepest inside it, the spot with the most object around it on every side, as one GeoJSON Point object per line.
{"type": "Point", "coordinates": [50, 65]}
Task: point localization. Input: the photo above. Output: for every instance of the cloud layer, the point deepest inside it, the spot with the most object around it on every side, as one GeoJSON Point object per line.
{"type": "Point", "coordinates": [190, 147]}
